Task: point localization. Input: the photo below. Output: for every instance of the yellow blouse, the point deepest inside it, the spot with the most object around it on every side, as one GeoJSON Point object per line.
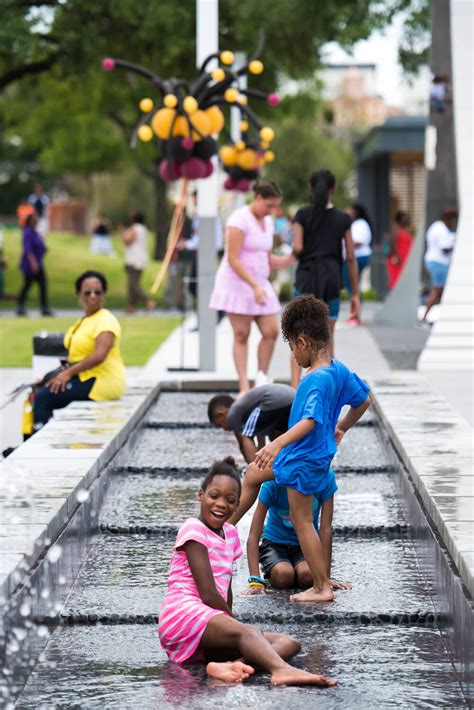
{"type": "Point", "coordinates": [80, 342]}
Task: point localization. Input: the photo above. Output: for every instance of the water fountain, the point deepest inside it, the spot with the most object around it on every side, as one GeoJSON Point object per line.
{"type": "Point", "coordinates": [80, 628]}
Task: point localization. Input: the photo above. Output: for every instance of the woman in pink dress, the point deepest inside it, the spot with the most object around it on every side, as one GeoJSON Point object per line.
{"type": "Point", "coordinates": [242, 288]}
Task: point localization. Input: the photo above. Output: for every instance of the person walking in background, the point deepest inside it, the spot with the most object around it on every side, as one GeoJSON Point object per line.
{"type": "Point", "coordinates": [135, 239]}
{"type": "Point", "coordinates": [440, 240]}
{"type": "Point", "coordinates": [32, 265]}
{"type": "Point", "coordinates": [361, 230]}
{"type": "Point", "coordinates": [101, 241]}
{"type": "Point", "coordinates": [242, 288]}
{"type": "Point", "coordinates": [400, 243]}
{"type": "Point", "coordinates": [40, 201]}
{"type": "Point", "coordinates": [319, 231]}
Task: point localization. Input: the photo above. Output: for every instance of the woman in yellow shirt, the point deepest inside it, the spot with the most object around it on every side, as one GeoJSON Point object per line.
{"type": "Point", "coordinates": [95, 368]}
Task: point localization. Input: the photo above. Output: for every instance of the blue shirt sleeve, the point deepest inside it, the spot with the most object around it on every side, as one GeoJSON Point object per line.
{"type": "Point", "coordinates": [356, 391]}
{"type": "Point", "coordinates": [267, 494]}
{"type": "Point", "coordinates": [313, 407]}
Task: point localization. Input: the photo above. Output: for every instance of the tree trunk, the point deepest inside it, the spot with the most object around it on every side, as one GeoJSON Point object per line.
{"type": "Point", "coordinates": [162, 216]}
{"type": "Point", "coordinates": [442, 183]}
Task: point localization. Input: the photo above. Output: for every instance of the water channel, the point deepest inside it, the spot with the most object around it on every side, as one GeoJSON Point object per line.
{"type": "Point", "coordinates": [381, 640]}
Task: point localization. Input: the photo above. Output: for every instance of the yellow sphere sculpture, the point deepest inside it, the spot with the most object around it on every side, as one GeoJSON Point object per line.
{"type": "Point", "coordinates": [231, 95]}
{"type": "Point", "coordinates": [256, 66]}
{"type": "Point", "coordinates": [227, 57]}
{"type": "Point", "coordinates": [201, 123]}
{"type": "Point", "coordinates": [161, 122]}
{"type": "Point", "coordinates": [216, 117]}
{"type": "Point", "coordinates": [145, 133]}
{"type": "Point", "coordinates": [146, 105]}
{"type": "Point", "coordinates": [267, 134]}
{"type": "Point", "coordinates": [181, 127]}
{"type": "Point", "coordinates": [247, 160]}
{"type": "Point", "coordinates": [228, 155]}
{"type": "Point", "coordinates": [269, 156]}
{"type": "Point", "coordinates": [190, 104]}
{"type": "Point", "coordinates": [170, 101]}
{"type": "Point", "coordinates": [218, 74]}
{"type": "Point", "coordinates": [244, 126]}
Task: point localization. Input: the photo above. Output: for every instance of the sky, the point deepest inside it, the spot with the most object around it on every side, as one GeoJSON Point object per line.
{"type": "Point", "coordinates": [381, 49]}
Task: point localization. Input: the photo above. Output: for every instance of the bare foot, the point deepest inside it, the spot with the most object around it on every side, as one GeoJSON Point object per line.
{"type": "Point", "coordinates": [150, 304]}
{"type": "Point", "coordinates": [335, 584]}
{"type": "Point", "coordinates": [294, 676]}
{"type": "Point", "coordinates": [230, 672]}
{"type": "Point", "coordinates": [311, 595]}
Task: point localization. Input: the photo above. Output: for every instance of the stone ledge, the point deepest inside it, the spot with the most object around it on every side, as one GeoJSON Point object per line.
{"type": "Point", "coordinates": [42, 481]}
{"type": "Point", "coordinates": [436, 446]}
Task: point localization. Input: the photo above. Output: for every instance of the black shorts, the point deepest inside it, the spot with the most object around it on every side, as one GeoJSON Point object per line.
{"type": "Point", "coordinates": [271, 553]}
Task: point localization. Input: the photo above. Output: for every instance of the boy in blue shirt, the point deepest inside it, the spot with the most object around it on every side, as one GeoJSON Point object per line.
{"type": "Point", "coordinates": [280, 555]}
{"type": "Point", "coordinates": [300, 459]}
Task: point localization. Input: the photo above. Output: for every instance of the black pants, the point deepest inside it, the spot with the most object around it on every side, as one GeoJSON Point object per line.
{"type": "Point", "coordinates": [45, 401]}
{"type": "Point", "coordinates": [29, 279]}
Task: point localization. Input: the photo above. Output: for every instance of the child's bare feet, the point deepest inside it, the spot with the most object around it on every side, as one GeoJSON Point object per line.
{"type": "Point", "coordinates": [294, 676]}
{"type": "Point", "coordinates": [230, 672]}
{"type": "Point", "coordinates": [335, 584]}
{"type": "Point", "coordinates": [311, 595]}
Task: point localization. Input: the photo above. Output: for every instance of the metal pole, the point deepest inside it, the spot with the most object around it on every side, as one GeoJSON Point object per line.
{"type": "Point", "coordinates": [207, 24]}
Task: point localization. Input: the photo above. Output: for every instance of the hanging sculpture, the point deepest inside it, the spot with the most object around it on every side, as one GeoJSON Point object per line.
{"type": "Point", "coordinates": [185, 119]}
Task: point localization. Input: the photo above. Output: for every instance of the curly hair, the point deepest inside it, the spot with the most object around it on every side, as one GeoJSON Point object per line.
{"type": "Point", "coordinates": [90, 274]}
{"type": "Point", "coordinates": [226, 467]}
{"type": "Point", "coordinates": [308, 316]}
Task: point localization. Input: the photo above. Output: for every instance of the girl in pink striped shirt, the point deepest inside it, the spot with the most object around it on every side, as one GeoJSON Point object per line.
{"type": "Point", "coordinates": [196, 621]}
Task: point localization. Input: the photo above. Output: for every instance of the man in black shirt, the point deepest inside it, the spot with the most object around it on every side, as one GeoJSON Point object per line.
{"type": "Point", "coordinates": [263, 411]}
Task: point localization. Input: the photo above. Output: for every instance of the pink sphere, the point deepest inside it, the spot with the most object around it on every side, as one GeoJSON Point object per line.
{"type": "Point", "coordinates": [187, 143]}
{"type": "Point", "coordinates": [209, 168]}
{"type": "Point", "coordinates": [169, 170]}
{"type": "Point", "coordinates": [229, 184]}
{"type": "Point", "coordinates": [273, 99]}
{"type": "Point", "coordinates": [108, 64]}
{"type": "Point", "coordinates": [242, 185]}
{"type": "Point", "coordinates": [193, 168]}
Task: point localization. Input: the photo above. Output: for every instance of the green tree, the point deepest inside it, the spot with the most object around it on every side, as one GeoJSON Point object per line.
{"type": "Point", "coordinates": [301, 147]}
{"type": "Point", "coordinates": [57, 100]}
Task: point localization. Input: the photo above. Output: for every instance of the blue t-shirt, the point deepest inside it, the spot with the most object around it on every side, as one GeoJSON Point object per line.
{"type": "Point", "coordinates": [278, 526]}
{"type": "Point", "coordinates": [320, 396]}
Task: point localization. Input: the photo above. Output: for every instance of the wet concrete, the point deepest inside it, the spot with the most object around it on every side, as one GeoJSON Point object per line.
{"type": "Point", "coordinates": [380, 640]}
{"type": "Point", "coordinates": [124, 667]}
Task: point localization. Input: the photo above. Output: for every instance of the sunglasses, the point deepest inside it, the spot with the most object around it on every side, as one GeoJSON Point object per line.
{"type": "Point", "coordinates": [89, 293]}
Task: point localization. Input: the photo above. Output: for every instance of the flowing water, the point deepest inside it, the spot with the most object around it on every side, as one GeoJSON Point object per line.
{"type": "Point", "coordinates": [380, 640]}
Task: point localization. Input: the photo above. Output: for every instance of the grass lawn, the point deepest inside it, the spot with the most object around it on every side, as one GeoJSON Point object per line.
{"type": "Point", "coordinates": [68, 256]}
{"type": "Point", "coordinates": [141, 336]}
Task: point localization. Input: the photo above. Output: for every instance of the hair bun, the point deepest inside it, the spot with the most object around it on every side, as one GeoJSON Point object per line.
{"type": "Point", "coordinates": [230, 461]}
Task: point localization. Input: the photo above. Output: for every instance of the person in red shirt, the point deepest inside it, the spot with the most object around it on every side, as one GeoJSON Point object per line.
{"type": "Point", "coordinates": [401, 241]}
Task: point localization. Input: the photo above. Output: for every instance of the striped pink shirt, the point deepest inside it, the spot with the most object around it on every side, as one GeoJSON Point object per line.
{"type": "Point", "coordinates": [183, 614]}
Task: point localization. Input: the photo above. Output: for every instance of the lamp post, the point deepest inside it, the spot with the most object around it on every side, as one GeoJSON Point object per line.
{"type": "Point", "coordinates": [207, 23]}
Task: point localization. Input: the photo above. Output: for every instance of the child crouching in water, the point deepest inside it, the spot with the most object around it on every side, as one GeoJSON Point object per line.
{"type": "Point", "coordinates": [273, 544]}
{"type": "Point", "coordinates": [196, 621]}
{"type": "Point", "coordinates": [300, 459]}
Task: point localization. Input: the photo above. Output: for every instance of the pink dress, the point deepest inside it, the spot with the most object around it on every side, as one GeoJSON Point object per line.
{"type": "Point", "coordinates": [183, 614]}
{"type": "Point", "coordinates": [233, 295]}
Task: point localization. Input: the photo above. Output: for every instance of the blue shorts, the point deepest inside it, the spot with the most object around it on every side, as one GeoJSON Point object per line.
{"type": "Point", "coordinates": [306, 479]}
{"type": "Point", "coordinates": [334, 305]}
{"type": "Point", "coordinates": [438, 273]}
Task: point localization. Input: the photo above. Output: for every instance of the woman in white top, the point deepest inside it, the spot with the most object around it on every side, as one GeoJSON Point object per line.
{"type": "Point", "coordinates": [440, 239]}
{"type": "Point", "coordinates": [362, 238]}
{"type": "Point", "coordinates": [135, 239]}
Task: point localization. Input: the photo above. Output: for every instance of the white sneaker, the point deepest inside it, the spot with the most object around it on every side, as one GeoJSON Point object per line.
{"type": "Point", "coordinates": [262, 379]}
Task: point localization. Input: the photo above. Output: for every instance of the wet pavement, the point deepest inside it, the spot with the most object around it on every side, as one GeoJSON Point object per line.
{"type": "Point", "coordinates": [379, 640]}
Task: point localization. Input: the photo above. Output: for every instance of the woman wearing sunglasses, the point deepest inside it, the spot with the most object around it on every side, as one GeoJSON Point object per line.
{"type": "Point", "coordinates": [94, 367]}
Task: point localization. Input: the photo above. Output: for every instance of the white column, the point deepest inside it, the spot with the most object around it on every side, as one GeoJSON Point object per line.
{"type": "Point", "coordinates": [207, 24]}
{"type": "Point", "coordinates": [450, 346]}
